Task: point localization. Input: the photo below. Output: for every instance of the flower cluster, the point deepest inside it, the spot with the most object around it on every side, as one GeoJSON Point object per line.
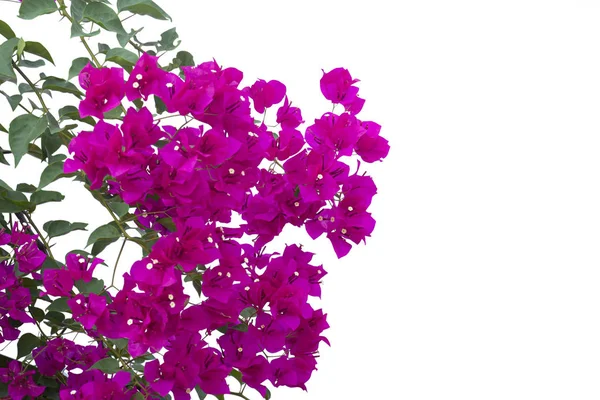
{"type": "Point", "coordinates": [221, 164]}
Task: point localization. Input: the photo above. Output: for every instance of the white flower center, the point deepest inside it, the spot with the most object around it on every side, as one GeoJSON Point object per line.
{"type": "Point", "coordinates": [135, 85]}
{"type": "Point", "coordinates": [231, 171]}
{"type": "Point", "coordinates": [139, 77]}
{"type": "Point", "coordinates": [129, 322]}
{"type": "Point", "coordinates": [176, 148]}
{"type": "Point", "coordinates": [247, 288]}
{"type": "Point", "coordinates": [297, 204]}
{"type": "Point", "coordinates": [169, 85]}
{"type": "Point", "coordinates": [229, 274]}
{"type": "Point", "coordinates": [172, 304]}
{"type": "Point", "coordinates": [350, 208]}
{"type": "Point", "coordinates": [149, 266]}
{"type": "Point", "coordinates": [296, 273]}
{"type": "Point", "coordinates": [344, 231]}
{"type": "Point", "coordinates": [171, 297]}
{"type": "Point", "coordinates": [240, 349]}
{"type": "Point", "coordinates": [319, 176]}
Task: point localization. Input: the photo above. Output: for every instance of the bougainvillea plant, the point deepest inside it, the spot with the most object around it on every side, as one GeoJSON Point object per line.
{"type": "Point", "coordinates": [191, 169]}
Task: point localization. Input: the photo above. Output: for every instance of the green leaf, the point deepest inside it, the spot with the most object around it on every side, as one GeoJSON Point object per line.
{"type": "Point", "coordinates": [122, 57]}
{"type": "Point", "coordinates": [2, 158]}
{"type": "Point", "coordinates": [31, 9]}
{"type": "Point", "coordinates": [50, 143]}
{"type": "Point", "coordinates": [6, 31]}
{"type": "Point", "coordinates": [119, 208]}
{"type": "Point", "coordinates": [61, 227]}
{"type": "Point", "coordinates": [185, 58]}
{"type": "Point", "coordinates": [160, 105]}
{"type": "Point", "coordinates": [108, 231]}
{"type": "Point", "coordinates": [23, 130]}
{"type": "Point", "coordinates": [6, 51]}
{"type": "Point", "coordinates": [43, 196]}
{"type": "Point", "coordinates": [168, 223]}
{"type": "Point", "coordinates": [60, 85]}
{"type": "Point", "coordinates": [94, 286]}
{"type": "Point", "coordinates": [77, 66]}
{"type": "Point", "coordinates": [72, 113]}
{"type": "Point", "coordinates": [268, 394]}
{"type": "Point", "coordinates": [37, 313]}
{"type": "Point", "coordinates": [115, 113]}
{"type": "Point", "coordinates": [39, 50]}
{"type": "Point", "coordinates": [31, 64]}
{"type": "Point", "coordinates": [167, 40]}
{"type": "Point", "coordinates": [108, 365]}
{"type": "Point", "coordinates": [55, 316]}
{"type": "Point", "coordinates": [77, 7]}
{"type": "Point", "coordinates": [60, 305]}
{"type": "Point", "coordinates": [50, 174]}
{"type": "Point", "coordinates": [200, 393]}
{"type": "Point", "coordinates": [20, 48]}
{"type": "Point", "coordinates": [77, 31]}
{"type": "Point", "coordinates": [143, 7]}
{"type": "Point", "coordinates": [26, 343]}
{"type": "Point", "coordinates": [248, 312]}
{"type": "Point", "coordinates": [14, 100]}
{"type": "Point", "coordinates": [26, 188]}
{"type": "Point", "coordinates": [237, 375]}
{"type": "Point", "coordinates": [104, 16]}
{"type": "Point", "coordinates": [124, 39]}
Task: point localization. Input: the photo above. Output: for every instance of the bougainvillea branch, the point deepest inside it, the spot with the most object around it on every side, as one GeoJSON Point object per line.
{"type": "Point", "coordinates": [202, 172]}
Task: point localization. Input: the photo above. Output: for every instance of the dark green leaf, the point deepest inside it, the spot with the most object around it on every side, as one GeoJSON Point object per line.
{"type": "Point", "coordinates": [108, 231]}
{"type": "Point", "coordinates": [100, 245]}
{"type": "Point", "coordinates": [142, 7]}
{"type": "Point", "coordinates": [77, 31]}
{"type": "Point", "coordinates": [108, 365]}
{"type": "Point", "coordinates": [50, 143]}
{"type": "Point", "coordinates": [26, 188]}
{"type": "Point", "coordinates": [31, 9]}
{"type": "Point", "coordinates": [14, 100]}
{"type": "Point", "coordinates": [60, 85]}
{"type": "Point", "coordinates": [77, 66]}
{"type": "Point", "coordinates": [124, 39]}
{"type": "Point", "coordinates": [50, 174]}
{"type": "Point", "coordinates": [103, 48]}
{"type": "Point", "coordinates": [77, 7]}
{"type": "Point", "coordinates": [39, 50]}
{"type": "Point", "coordinates": [31, 64]}
{"type": "Point", "coordinates": [185, 58]}
{"type": "Point", "coordinates": [104, 16]}
{"type": "Point", "coordinates": [61, 227]}
{"type": "Point", "coordinates": [119, 208]}
{"type": "Point", "coordinates": [248, 312]}
{"type": "Point", "coordinates": [168, 223]}
{"type": "Point", "coordinates": [160, 105]}
{"type": "Point", "coordinates": [6, 31]}
{"type": "Point", "coordinates": [94, 286]}
{"type": "Point", "coordinates": [168, 40]}
{"type": "Point", "coordinates": [43, 196]}
{"type": "Point", "coordinates": [2, 158]}
{"type": "Point", "coordinates": [6, 51]}
{"type": "Point", "coordinates": [115, 113]}
{"type": "Point", "coordinates": [55, 316]}
{"type": "Point", "coordinates": [37, 313]}
{"type": "Point", "coordinates": [122, 57]}
{"type": "Point", "coordinates": [237, 375]}
{"type": "Point", "coordinates": [11, 201]}
{"type": "Point", "coordinates": [268, 394]}
{"type": "Point", "coordinates": [23, 130]}
{"type": "Point", "coordinates": [72, 113]}
{"type": "Point", "coordinates": [200, 393]}
{"type": "Point", "coordinates": [59, 304]}
{"type": "Point", "coordinates": [26, 343]}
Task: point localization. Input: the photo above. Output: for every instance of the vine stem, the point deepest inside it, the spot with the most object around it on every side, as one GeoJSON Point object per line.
{"type": "Point", "coordinates": [37, 92]}
{"type": "Point", "coordinates": [65, 13]}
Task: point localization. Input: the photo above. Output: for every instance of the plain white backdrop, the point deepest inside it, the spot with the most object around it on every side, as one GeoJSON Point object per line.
{"type": "Point", "coordinates": [481, 280]}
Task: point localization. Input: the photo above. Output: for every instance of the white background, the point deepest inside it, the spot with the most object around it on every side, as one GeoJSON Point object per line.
{"type": "Point", "coordinates": [481, 278]}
